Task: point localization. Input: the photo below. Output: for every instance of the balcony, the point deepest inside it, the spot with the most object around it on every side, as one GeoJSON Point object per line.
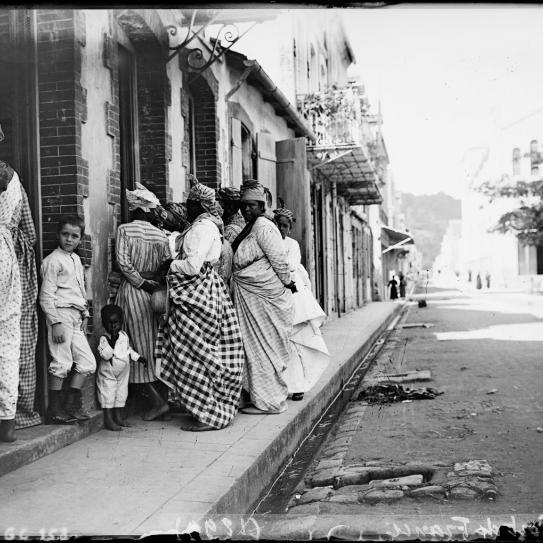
{"type": "Point", "coordinates": [348, 148]}
{"type": "Point", "coordinates": [339, 117]}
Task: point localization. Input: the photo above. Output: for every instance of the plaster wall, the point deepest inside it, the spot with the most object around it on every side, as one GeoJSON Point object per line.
{"type": "Point", "coordinates": [98, 151]}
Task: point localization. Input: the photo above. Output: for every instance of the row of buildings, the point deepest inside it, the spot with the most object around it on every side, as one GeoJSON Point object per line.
{"type": "Point", "coordinates": [97, 100]}
{"type": "Point", "coordinates": [470, 247]}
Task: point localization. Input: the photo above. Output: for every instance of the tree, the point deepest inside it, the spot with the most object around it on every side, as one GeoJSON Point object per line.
{"type": "Point", "coordinates": [526, 221]}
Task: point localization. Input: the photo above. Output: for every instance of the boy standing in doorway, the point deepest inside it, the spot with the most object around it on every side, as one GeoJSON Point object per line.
{"type": "Point", "coordinates": [64, 302]}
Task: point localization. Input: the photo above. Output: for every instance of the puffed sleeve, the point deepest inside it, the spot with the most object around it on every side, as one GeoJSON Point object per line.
{"type": "Point", "coordinates": [196, 246]}
{"type": "Point", "coordinates": [104, 349]}
{"type": "Point", "coordinates": [270, 241]}
{"type": "Point", "coordinates": [122, 249]}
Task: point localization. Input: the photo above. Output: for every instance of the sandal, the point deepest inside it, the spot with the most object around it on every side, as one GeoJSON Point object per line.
{"type": "Point", "coordinates": [196, 426]}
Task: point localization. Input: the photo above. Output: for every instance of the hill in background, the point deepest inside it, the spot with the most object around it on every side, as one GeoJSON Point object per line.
{"type": "Point", "coordinates": [427, 217]}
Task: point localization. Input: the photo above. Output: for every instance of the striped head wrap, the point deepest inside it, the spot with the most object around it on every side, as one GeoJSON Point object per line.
{"type": "Point", "coordinates": [176, 216]}
{"type": "Point", "coordinates": [255, 191]}
{"type": "Point", "coordinates": [284, 212]}
{"type": "Point", "coordinates": [204, 195]}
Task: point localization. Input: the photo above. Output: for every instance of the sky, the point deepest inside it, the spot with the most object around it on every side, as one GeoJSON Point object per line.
{"type": "Point", "coordinates": [459, 88]}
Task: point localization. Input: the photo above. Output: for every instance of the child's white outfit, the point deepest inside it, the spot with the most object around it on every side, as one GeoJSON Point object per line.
{"type": "Point", "coordinates": [114, 371]}
{"type": "Point", "coordinates": [63, 300]}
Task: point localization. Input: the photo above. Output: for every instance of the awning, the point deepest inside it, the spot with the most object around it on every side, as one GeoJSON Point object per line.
{"type": "Point", "coordinates": [395, 239]}
{"type": "Point", "coordinates": [348, 167]}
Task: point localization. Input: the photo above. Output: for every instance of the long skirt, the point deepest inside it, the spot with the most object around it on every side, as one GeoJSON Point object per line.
{"type": "Point", "coordinates": [265, 320]}
{"type": "Point", "coordinates": [10, 321]}
{"type": "Point", "coordinates": [26, 414]}
{"type": "Point", "coordinates": [309, 354]}
{"type": "Point", "coordinates": [199, 351]}
{"type": "Point", "coordinates": [141, 325]}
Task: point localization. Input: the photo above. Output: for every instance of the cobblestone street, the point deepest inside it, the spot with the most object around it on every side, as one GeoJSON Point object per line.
{"type": "Point", "coordinates": [403, 460]}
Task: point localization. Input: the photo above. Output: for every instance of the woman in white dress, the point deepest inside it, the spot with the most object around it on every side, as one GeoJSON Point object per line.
{"type": "Point", "coordinates": [309, 354]}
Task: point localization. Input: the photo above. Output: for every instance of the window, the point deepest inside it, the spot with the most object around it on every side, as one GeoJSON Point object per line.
{"type": "Point", "coordinates": [248, 155]}
{"type": "Point", "coordinates": [128, 126]}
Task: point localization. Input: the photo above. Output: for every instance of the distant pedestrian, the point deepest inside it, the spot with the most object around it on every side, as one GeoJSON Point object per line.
{"type": "Point", "coordinates": [487, 278]}
{"type": "Point", "coordinates": [64, 302]}
{"type": "Point", "coordinates": [478, 282]}
{"type": "Point", "coordinates": [403, 284]}
{"type": "Point", "coordinates": [112, 376]}
{"type": "Point", "coordinates": [393, 284]}
{"type": "Point", "coordinates": [469, 276]}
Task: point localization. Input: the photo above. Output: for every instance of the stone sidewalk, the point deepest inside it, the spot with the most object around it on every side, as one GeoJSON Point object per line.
{"type": "Point", "coordinates": [155, 477]}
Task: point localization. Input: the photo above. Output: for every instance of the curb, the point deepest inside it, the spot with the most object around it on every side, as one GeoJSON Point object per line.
{"type": "Point", "coordinates": [50, 438]}
{"type": "Point", "coordinates": [260, 474]}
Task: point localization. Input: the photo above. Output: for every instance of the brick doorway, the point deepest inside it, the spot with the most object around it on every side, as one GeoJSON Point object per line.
{"type": "Point", "coordinates": [19, 120]}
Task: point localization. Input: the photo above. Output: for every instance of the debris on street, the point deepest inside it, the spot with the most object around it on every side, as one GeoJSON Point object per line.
{"type": "Point", "coordinates": [390, 393]}
{"type": "Point", "coordinates": [406, 377]}
{"type": "Point", "coordinates": [417, 325]}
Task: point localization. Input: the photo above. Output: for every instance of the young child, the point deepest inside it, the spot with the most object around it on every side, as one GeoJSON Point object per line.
{"type": "Point", "coordinates": [112, 377]}
{"type": "Point", "coordinates": [64, 302]}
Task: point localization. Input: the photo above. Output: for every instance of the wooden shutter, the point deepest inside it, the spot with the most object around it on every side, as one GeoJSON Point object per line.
{"type": "Point", "coordinates": [266, 166]}
{"type": "Point", "coordinates": [293, 186]}
{"type": "Point", "coordinates": [235, 149]}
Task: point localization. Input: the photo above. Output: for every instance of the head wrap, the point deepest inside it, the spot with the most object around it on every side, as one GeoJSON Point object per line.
{"type": "Point", "coordinates": [228, 194]}
{"type": "Point", "coordinates": [253, 190]}
{"type": "Point", "coordinates": [204, 195]}
{"type": "Point", "coordinates": [141, 198]}
{"type": "Point", "coordinates": [284, 212]}
{"type": "Point", "coordinates": [176, 216]}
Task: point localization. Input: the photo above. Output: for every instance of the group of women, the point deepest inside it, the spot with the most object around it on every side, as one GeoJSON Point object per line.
{"type": "Point", "coordinates": [239, 313]}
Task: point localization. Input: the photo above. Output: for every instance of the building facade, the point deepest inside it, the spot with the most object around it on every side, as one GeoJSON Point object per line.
{"type": "Point", "coordinates": [98, 100]}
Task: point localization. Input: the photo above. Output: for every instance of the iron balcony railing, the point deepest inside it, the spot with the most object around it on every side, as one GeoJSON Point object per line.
{"type": "Point", "coordinates": [339, 117]}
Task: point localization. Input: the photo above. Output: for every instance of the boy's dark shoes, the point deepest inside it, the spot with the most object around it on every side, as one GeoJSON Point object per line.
{"type": "Point", "coordinates": [74, 405]}
{"type": "Point", "coordinates": [109, 420]}
{"type": "Point", "coordinates": [56, 413]}
{"type": "Point", "coordinates": [7, 431]}
{"type": "Point", "coordinates": [119, 418]}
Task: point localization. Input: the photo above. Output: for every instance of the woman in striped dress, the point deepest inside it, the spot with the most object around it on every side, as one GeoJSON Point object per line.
{"type": "Point", "coordinates": [141, 249]}
{"type": "Point", "coordinates": [261, 282]}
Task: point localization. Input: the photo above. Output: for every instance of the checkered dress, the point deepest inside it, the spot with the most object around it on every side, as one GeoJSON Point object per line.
{"type": "Point", "coordinates": [199, 351]}
{"type": "Point", "coordinates": [24, 239]}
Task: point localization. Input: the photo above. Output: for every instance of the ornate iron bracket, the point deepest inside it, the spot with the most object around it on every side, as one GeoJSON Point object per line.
{"type": "Point", "coordinates": [195, 60]}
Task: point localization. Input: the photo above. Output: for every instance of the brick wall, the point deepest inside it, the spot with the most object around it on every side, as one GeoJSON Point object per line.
{"type": "Point", "coordinates": [204, 92]}
{"type": "Point", "coordinates": [154, 97]}
{"type": "Point", "coordinates": [62, 105]}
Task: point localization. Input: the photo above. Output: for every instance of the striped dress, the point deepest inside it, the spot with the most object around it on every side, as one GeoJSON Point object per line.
{"type": "Point", "coordinates": [140, 248]}
{"type": "Point", "coordinates": [265, 312]}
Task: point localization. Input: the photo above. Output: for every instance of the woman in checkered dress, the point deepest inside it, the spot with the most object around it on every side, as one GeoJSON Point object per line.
{"type": "Point", "coordinates": [199, 351]}
{"type": "Point", "coordinates": [24, 239]}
